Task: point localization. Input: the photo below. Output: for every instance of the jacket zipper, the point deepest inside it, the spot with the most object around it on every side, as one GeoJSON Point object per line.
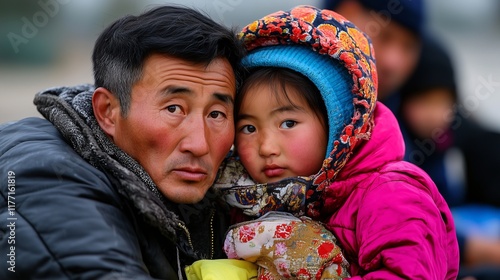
{"type": "Point", "coordinates": [212, 251]}
{"type": "Point", "coordinates": [181, 225]}
{"type": "Point", "coordinates": [212, 234]}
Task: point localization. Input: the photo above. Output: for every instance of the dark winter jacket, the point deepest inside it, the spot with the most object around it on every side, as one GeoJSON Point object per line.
{"type": "Point", "coordinates": [82, 208]}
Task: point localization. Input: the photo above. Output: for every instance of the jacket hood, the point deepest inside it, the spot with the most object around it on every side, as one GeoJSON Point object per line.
{"type": "Point", "coordinates": [386, 145]}
{"type": "Point", "coordinates": [349, 53]}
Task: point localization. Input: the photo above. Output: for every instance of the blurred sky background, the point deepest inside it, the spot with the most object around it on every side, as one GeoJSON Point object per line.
{"type": "Point", "coordinates": [56, 49]}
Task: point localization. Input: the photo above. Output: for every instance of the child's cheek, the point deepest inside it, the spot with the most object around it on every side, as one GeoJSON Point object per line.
{"type": "Point", "coordinates": [297, 145]}
{"type": "Point", "coordinates": [248, 155]}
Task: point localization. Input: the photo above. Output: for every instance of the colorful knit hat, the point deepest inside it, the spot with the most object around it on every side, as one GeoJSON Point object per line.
{"type": "Point", "coordinates": [331, 79]}
{"type": "Point", "coordinates": [337, 57]}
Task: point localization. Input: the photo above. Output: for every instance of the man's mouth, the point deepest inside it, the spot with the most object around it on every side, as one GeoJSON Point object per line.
{"type": "Point", "coordinates": [195, 174]}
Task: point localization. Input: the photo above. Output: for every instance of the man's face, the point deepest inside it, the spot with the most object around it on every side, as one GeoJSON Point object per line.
{"type": "Point", "coordinates": [179, 126]}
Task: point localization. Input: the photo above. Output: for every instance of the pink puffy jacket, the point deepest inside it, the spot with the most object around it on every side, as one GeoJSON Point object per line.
{"type": "Point", "coordinates": [388, 215]}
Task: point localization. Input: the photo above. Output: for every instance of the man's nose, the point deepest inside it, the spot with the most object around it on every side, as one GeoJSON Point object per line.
{"type": "Point", "coordinates": [196, 135]}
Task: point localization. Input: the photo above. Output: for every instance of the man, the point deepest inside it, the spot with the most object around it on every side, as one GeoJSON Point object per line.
{"type": "Point", "coordinates": [395, 27]}
{"type": "Point", "coordinates": [115, 183]}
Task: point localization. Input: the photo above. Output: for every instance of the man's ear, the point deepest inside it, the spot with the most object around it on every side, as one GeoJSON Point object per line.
{"type": "Point", "coordinates": [106, 110]}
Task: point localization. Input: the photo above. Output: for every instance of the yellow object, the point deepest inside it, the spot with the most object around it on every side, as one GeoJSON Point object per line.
{"type": "Point", "coordinates": [221, 269]}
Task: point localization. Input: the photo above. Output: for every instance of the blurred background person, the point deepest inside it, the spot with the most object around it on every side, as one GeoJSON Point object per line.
{"type": "Point", "coordinates": [395, 28]}
{"type": "Point", "coordinates": [436, 136]}
{"type": "Point", "coordinates": [427, 119]}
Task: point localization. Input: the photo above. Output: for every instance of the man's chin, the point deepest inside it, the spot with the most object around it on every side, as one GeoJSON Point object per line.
{"type": "Point", "coordinates": [185, 194]}
{"type": "Point", "coordinates": [188, 200]}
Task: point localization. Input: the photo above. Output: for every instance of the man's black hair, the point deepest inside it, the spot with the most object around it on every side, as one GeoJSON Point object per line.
{"type": "Point", "coordinates": [184, 33]}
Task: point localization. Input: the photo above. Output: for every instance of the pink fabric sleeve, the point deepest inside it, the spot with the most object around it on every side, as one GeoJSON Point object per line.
{"type": "Point", "coordinates": [401, 234]}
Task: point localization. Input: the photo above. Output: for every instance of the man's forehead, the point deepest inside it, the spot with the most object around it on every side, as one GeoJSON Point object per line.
{"type": "Point", "coordinates": [167, 70]}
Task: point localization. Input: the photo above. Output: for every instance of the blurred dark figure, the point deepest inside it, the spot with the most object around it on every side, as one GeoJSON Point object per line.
{"type": "Point", "coordinates": [481, 147]}
{"type": "Point", "coordinates": [396, 29]}
{"type": "Point", "coordinates": [449, 147]}
{"type": "Point", "coordinates": [427, 114]}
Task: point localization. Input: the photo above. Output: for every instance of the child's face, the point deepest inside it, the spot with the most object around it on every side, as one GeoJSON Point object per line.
{"type": "Point", "coordinates": [277, 139]}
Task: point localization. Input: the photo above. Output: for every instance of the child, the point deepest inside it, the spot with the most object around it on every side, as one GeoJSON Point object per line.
{"type": "Point", "coordinates": [389, 218]}
{"type": "Point", "coordinates": [287, 111]}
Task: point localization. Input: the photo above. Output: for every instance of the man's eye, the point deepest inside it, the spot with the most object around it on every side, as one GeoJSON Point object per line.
{"type": "Point", "coordinates": [247, 129]}
{"type": "Point", "coordinates": [288, 124]}
{"type": "Point", "coordinates": [174, 109]}
{"type": "Point", "coordinates": [216, 114]}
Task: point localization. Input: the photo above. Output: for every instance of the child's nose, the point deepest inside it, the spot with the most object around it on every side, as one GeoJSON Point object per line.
{"type": "Point", "coordinates": [268, 145]}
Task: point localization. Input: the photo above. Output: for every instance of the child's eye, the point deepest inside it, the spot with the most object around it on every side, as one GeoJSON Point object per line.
{"type": "Point", "coordinates": [247, 129]}
{"type": "Point", "coordinates": [288, 124]}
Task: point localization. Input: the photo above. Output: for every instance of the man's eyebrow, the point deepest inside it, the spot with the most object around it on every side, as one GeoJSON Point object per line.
{"type": "Point", "coordinates": [226, 98]}
{"type": "Point", "coordinates": [176, 90]}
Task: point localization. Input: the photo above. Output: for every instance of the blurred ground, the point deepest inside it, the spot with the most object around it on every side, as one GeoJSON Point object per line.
{"type": "Point", "coordinates": [59, 52]}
